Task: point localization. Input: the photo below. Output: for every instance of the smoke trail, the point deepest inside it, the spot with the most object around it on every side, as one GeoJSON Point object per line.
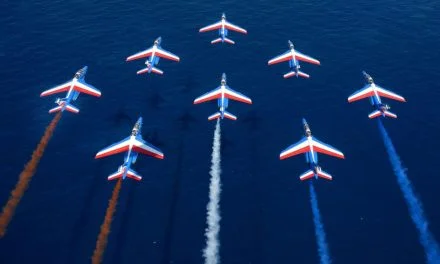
{"type": "Point", "coordinates": [319, 229]}
{"type": "Point", "coordinates": [26, 176]}
{"type": "Point", "coordinates": [414, 205]}
{"type": "Point", "coordinates": [101, 243]}
{"type": "Point", "coordinates": [213, 215]}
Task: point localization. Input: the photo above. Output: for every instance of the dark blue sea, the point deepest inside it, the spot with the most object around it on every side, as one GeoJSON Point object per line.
{"type": "Point", "coordinates": [265, 209]}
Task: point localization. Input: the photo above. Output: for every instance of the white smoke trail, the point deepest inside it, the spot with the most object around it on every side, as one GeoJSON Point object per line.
{"type": "Point", "coordinates": [213, 208]}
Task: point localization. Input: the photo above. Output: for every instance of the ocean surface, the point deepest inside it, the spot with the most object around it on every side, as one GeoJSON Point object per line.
{"type": "Point", "coordinates": [265, 209]}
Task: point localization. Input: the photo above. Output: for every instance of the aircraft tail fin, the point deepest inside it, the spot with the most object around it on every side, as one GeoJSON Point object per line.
{"type": "Point", "coordinates": [293, 73]}
{"type": "Point", "coordinates": [67, 107]}
{"type": "Point", "coordinates": [153, 70]}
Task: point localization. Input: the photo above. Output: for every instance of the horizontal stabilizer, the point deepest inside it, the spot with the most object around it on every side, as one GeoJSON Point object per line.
{"type": "Point", "coordinates": [310, 173]}
{"type": "Point", "coordinates": [389, 114]}
{"type": "Point", "coordinates": [230, 41]}
{"type": "Point", "coordinates": [217, 40]}
{"type": "Point", "coordinates": [306, 175]}
{"type": "Point", "coordinates": [324, 175]}
{"type": "Point", "coordinates": [230, 116]}
{"type": "Point", "coordinates": [153, 69]}
{"type": "Point", "coordinates": [378, 113]}
{"type": "Point", "coordinates": [214, 116]}
{"type": "Point", "coordinates": [55, 109]}
{"type": "Point", "coordinates": [68, 107]}
{"type": "Point", "coordinates": [130, 174]}
{"type": "Point", "coordinates": [375, 114]}
{"type": "Point", "coordinates": [115, 175]}
{"type": "Point", "coordinates": [293, 73]}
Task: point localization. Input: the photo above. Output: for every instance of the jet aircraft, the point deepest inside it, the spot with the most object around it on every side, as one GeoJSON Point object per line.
{"type": "Point", "coordinates": [374, 92]}
{"type": "Point", "coordinates": [223, 26]}
{"type": "Point", "coordinates": [223, 93]}
{"type": "Point", "coordinates": [294, 56]}
{"type": "Point", "coordinates": [311, 146]}
{"type": "Point", "coordinates": [154, 54]}
{"type": "Point", "coordinates": [73, 88]}
{"type": "Point", "coordinates": [133, 145]}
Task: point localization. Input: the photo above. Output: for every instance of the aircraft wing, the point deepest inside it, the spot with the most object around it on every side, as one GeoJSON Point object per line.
{"type": "Point", "coordinates": [306, 58]}
{"type": "Point", "coordinates": [146, 148]}
{"type": "Point", "coordinates": [137, 145]}
{"type": "Point", "coordinates": [86, 88]}
{"type": "Point", "coordinates": [141, 54]}
{"type": "Point", "coordinates": [166, 54]}
{"type": "Point", "coordinates": [365, 92]}
{"type": "Point", "coordinates": [388, 94]}
{"type": "Point", "coordinates": [214, 94]}
{"type": "Point", "coordinates": [211, 27]}
{"type": "Point", "coordinates": [235, 28]}
{"type": "Point", "coordinates": [323, 148]}
{"type": "Point", "coordinates": [280, 58]}
{"type": "Point", "coordinates": [57, 89]}
{"type": "Point", "coordinates": [81, 87]}
{"type": "Point", "coordinates": [234, 95]}
{"type": "Point", "coordinates": [116, 148]}
{"type": "Point", "coordinates": [300, 147]}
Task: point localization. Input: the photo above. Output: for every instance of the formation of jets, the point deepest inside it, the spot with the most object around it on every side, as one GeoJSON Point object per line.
{"type": "Point", "coordinates": [134, 144]}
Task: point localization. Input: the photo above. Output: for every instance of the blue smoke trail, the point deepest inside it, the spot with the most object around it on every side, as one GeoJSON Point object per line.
{"type": "Point", "coordinates": [415, 207]}
{"type": "Point", "coordinates": [319, 229]}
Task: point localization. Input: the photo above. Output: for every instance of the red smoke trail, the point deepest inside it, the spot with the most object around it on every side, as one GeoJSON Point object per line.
{"type": "Point", "coordinates": [26, 176]}
{"type": "Point", "coordinates": [101, 243]}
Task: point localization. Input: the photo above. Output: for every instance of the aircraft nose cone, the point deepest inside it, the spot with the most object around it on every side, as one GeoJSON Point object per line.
{"type": "Point", "coordinates": [304, 121]}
